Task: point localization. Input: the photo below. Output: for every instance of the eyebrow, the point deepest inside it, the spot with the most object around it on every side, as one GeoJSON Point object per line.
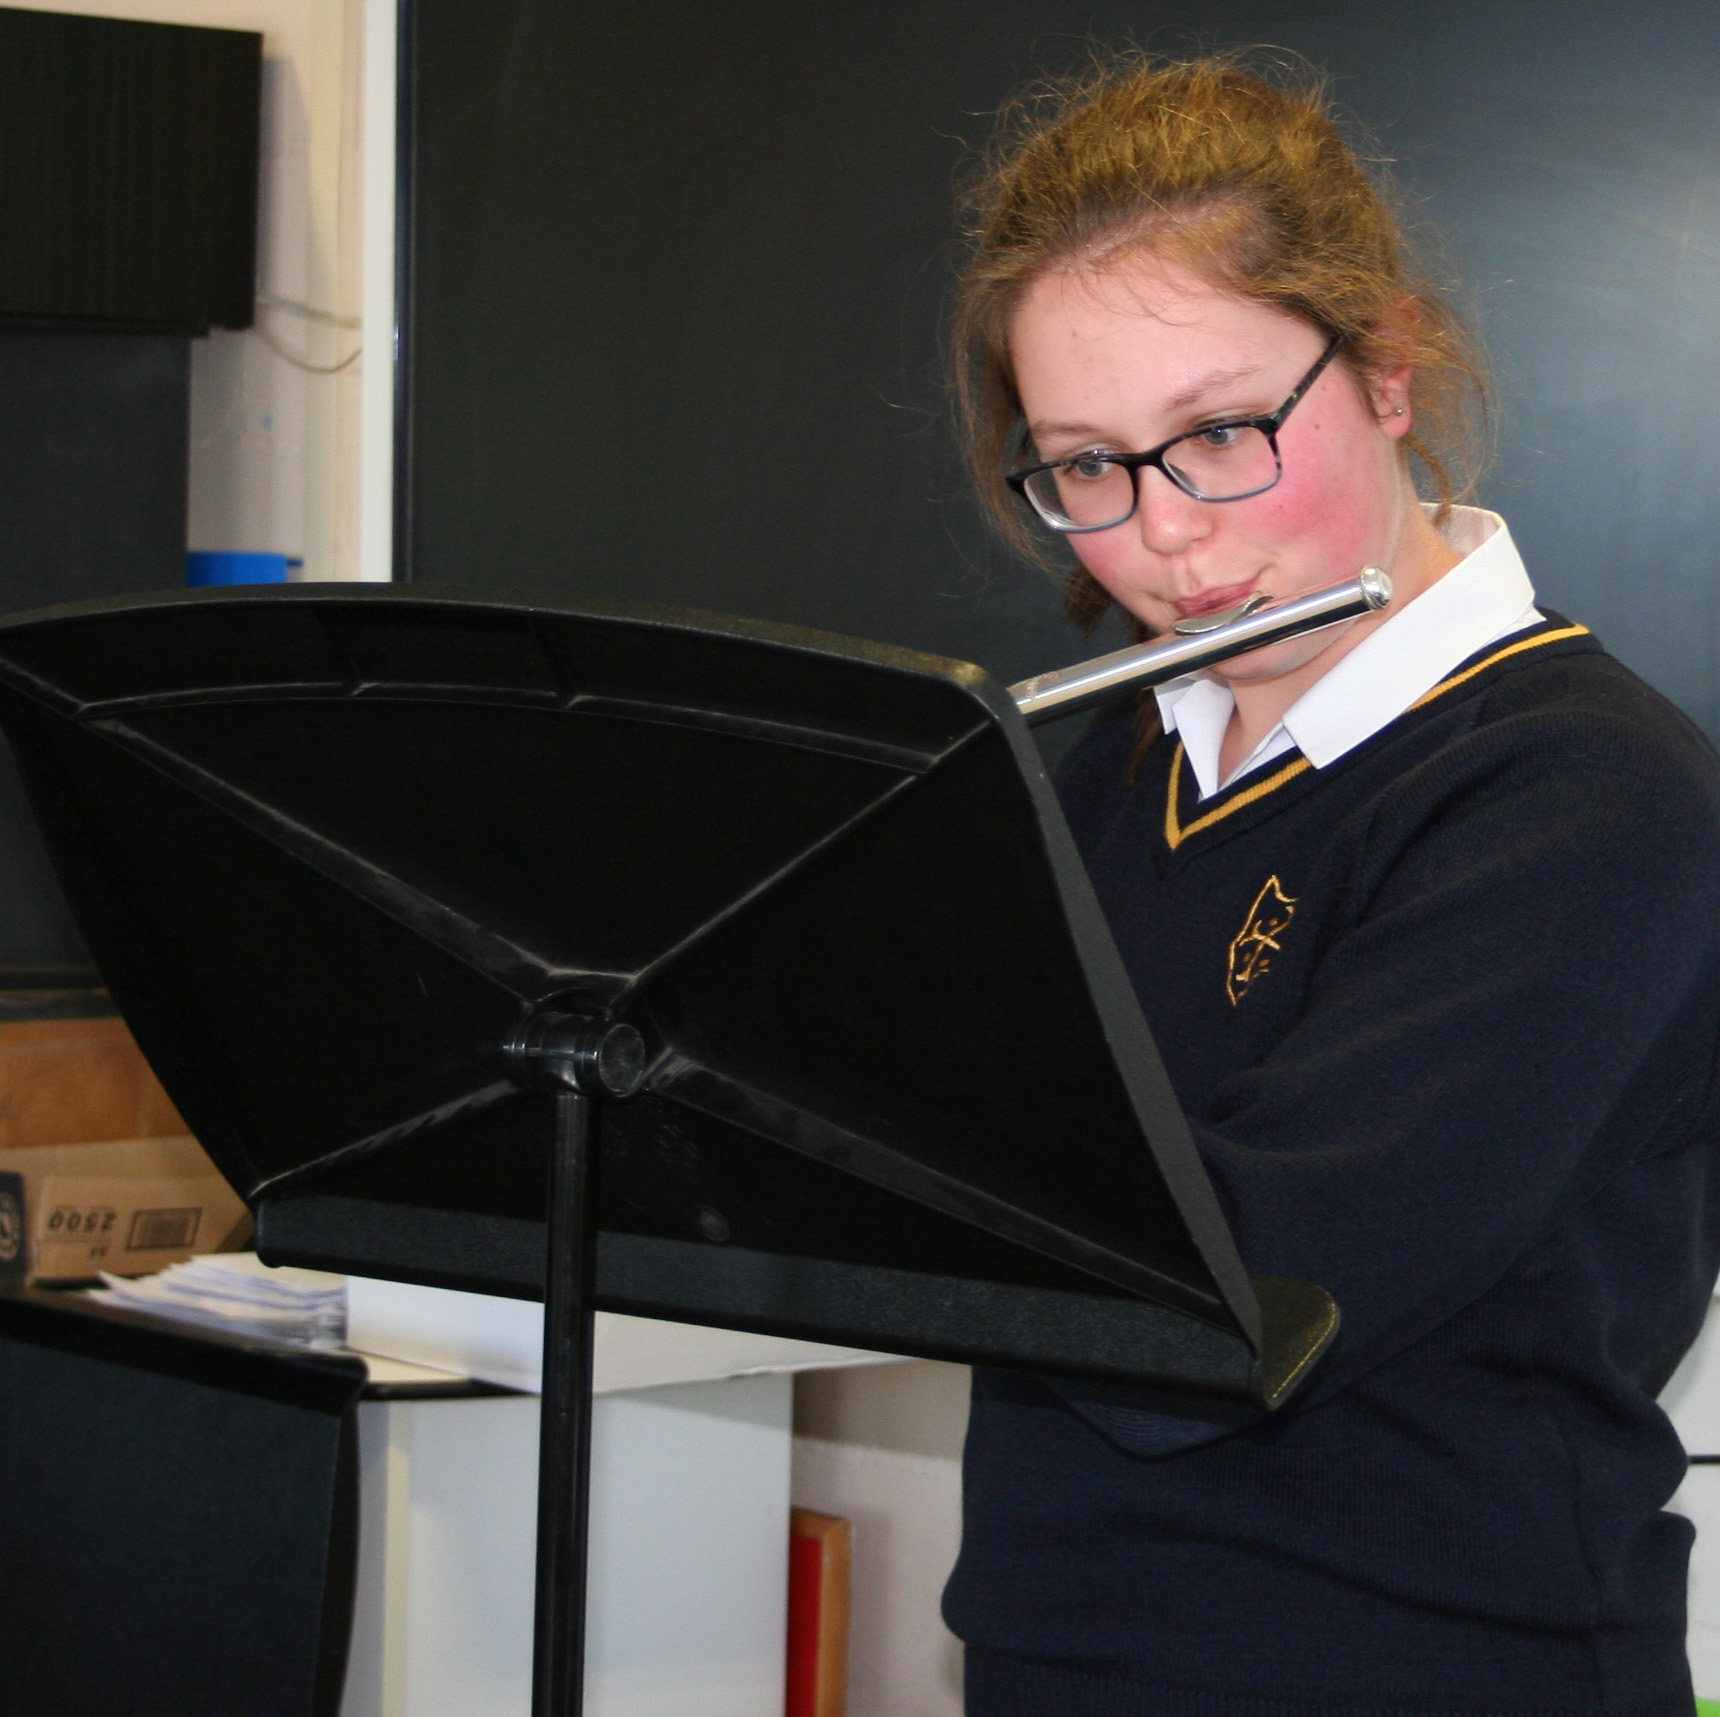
{"type": "Point", "coordinates": [1179, 401]}
{"type": "Point", "coordinates": [1212, 379]}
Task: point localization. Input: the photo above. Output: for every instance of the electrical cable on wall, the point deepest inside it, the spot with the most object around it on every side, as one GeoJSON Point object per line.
{"type": "Point", "coordinates": [309, 313]}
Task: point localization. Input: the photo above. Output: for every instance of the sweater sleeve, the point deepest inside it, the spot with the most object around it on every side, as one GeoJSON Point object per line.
{"type": "Point", "coordinates": [1518, 1001]}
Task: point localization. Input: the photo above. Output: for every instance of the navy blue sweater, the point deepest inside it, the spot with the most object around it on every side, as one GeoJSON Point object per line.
{"type": "Point", "coordinates": [1444, 1017]}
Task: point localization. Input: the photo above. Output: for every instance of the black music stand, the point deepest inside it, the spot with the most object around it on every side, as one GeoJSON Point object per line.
{"type": "Point", "coordinates": [767, 952]}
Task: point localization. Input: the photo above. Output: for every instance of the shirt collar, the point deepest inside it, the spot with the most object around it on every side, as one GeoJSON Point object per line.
{"type": "Point", "coordinates": [1487, 594]}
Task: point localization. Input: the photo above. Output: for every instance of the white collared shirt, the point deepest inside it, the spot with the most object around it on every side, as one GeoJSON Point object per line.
{"type": "Point", "coordinates": [1486, 596]}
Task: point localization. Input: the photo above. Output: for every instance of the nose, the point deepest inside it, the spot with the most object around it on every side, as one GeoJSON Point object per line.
{"type": "Point", "coordinates": [1169, 520]}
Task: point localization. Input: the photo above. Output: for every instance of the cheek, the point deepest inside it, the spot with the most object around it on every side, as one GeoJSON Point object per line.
{"type": "Point", "coordinates": [1108, 555]}
{"type": "Point", "coordinates": [1327, 508]}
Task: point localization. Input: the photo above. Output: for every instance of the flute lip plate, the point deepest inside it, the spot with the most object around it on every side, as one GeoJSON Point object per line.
{"type": "Point", "coordinates": [1198, 625]}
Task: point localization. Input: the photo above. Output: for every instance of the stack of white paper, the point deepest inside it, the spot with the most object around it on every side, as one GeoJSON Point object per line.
{"type": "Point", "coordinates": [237, 1291]}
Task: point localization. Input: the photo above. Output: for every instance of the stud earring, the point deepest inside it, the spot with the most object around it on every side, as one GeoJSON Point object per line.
{"type": "Point", "coordinates": [1399, 411]}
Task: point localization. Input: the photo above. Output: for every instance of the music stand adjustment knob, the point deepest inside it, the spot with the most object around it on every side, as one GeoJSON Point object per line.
{"type": "Point", "coordinates": [577, 1052]}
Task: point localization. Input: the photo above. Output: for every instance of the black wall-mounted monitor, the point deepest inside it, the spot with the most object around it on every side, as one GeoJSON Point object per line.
{"type": "Point", "coordinates": [128, 173]}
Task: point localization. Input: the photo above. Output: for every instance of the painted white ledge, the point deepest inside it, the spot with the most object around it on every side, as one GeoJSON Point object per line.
{"type": "Point", "coordinates": [501, 1341]}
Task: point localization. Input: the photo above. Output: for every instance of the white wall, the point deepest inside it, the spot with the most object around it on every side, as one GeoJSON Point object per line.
{"type": "Point", "coordinates": [882, 1445]}
{"type": "Point", "coordinates": [278, 458]}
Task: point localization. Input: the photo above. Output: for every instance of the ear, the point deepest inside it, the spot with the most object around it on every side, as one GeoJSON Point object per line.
{"type": "Point", "coordinates": [1389, 385]}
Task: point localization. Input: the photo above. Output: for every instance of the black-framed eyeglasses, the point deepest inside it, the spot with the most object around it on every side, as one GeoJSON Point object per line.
{"type": "Point", "coordinates": [1222, 462]}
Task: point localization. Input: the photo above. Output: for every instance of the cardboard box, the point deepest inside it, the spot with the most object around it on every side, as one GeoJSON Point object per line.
{"type": "Point", "coordinates": [128, 1206]}
{"type": "Point", "coordinates": [64, 1080]}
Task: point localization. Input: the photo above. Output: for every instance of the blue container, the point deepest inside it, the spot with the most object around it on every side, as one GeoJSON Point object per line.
{"type": "Point", "coordinates": [203, 567]}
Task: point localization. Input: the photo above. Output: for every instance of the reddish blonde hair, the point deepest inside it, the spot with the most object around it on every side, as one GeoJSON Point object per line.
{"type": "Point", "coordinates": [1243, 178]}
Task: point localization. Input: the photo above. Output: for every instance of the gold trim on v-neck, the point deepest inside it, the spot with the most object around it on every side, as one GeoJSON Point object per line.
{"type": "Point", "coordinates": [1176, 832]}
{"type": "Point", "coordinates": [1499, 656]}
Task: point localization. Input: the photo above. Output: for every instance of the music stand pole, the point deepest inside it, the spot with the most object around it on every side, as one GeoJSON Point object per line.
{"type": "Point", "coordinates": [579, 1058]}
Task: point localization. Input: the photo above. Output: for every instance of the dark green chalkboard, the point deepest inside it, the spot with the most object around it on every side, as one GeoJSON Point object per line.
{"type": "Point", "coordinates": [677, 274]}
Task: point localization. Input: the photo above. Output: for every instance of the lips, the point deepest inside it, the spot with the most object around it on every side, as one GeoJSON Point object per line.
{"type": "Point", "coordinates": [1212, 601]}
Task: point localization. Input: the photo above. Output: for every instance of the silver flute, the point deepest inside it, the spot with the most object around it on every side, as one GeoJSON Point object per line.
{"type": "Point", "coordinates": [1198, 643]}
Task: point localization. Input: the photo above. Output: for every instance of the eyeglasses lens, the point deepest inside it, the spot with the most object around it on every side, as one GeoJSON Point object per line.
{"type": "Point", "coordinates": [1083, 494]}
{"type": "Point", "coordinates": [1224, 463]}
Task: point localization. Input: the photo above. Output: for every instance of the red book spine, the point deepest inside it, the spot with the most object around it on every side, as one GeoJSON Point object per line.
{"type": "Point", "coordinates": [818, 1587]}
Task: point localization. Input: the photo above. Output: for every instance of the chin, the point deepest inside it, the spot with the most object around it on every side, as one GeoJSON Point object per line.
{"type": "Point", "coordinates": [1257, 667]}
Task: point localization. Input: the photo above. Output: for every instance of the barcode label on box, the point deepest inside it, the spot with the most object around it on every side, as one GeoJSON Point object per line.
{"type": "Point", "coordinates": [157, 1228]}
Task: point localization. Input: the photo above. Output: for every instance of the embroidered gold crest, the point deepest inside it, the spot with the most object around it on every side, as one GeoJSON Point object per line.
{"type": "Point", "coordinates": [1257, 941]}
